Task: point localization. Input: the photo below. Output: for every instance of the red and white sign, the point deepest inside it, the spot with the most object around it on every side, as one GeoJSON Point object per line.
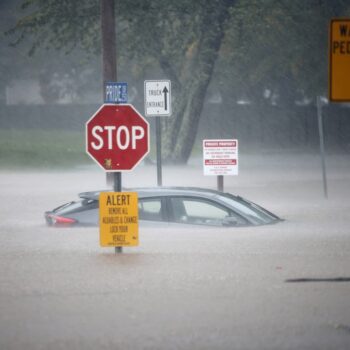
{"type": "Point", "coordinates": [220, 157]}
{"type": "Point", "coordinates": [117, 137]}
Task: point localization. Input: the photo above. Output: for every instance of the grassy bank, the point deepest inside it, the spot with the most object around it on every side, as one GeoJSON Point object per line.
{"type": "Point", "coordinates": [42, 149]}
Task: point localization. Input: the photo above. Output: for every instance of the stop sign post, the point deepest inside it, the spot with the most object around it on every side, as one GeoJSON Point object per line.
{"type": "Point", "coordinates": [117, 137]}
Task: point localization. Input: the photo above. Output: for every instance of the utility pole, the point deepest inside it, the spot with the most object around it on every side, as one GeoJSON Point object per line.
{"type": "Point", "coordinates": [109, 57]}
{"type": "Point", "coordinates": [109, 65]}
{"type": "Point", "coordinates": [322, 148]}
{"type": "Point", "coordinates": [109, 69]}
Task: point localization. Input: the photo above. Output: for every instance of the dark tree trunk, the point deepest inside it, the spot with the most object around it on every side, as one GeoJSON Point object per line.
{"type": "Point", "coordinates": [180, 130]}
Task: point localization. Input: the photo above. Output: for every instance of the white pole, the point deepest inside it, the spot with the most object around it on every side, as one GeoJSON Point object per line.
{"type": "Point", "coordinates": [321, 135]}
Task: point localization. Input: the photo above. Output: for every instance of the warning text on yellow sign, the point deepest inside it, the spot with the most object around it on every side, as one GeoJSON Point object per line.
{"type": "Point", "coordinates": [339, 60]}
{"type": "Point", "coordinates": [119, 219]}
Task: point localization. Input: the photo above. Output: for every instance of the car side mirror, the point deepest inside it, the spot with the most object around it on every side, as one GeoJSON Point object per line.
{"type": "Point", "coordinates": [230, 221]}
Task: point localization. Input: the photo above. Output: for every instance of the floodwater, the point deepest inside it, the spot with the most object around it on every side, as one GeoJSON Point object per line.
{"type": "Point", "coordinates": [284, 286]}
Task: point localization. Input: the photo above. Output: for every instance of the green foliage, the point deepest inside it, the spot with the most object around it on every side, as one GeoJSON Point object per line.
{"type": "Point", "coordinates": [62, 24]}
{"type": "Point", "coordinates": [275, 46]}
{"type": "Point", "coordinates": [280, 45]}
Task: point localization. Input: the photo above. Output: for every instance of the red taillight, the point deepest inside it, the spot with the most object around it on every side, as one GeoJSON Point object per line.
{"type": "Point", "coordinates": [60, 220]}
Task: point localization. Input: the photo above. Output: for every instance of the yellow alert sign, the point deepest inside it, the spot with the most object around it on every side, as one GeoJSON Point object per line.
{"type": "Point", "coordinates": [119, 222]}
{"type": "Point", "coordinates": [339, 60]}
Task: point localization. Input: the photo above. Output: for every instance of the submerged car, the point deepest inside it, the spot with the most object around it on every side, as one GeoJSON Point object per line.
{"type": "Point", "coordinates": [170, 206]}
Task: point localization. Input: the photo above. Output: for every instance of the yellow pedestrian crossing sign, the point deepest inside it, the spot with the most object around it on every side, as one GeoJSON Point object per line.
{"type": "Point", "coordinates": [339, 60]}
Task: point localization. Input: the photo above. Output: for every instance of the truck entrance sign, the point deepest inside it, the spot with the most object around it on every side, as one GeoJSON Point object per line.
{"type": "Point", "coordinates": [220, 157]}
{"type": "Point", "coordinates": [157, 98]}
{"type": "Point", "coordinates": [118, 219]}
{"type": "Point", "coordinates": [117, 137]}
{"type": "Point", "coordinates": [339, 61]}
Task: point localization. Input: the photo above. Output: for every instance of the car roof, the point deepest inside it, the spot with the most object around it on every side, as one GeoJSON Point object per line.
{"type": "Point", "coordinates": [160, 191]}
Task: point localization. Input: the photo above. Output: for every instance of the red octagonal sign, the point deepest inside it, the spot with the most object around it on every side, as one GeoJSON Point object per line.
{"type": "Point", "coordinates": [117, 137]}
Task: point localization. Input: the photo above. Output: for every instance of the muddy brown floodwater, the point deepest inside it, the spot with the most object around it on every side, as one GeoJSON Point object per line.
{"type": "Point", "coordinates": [284, 286]}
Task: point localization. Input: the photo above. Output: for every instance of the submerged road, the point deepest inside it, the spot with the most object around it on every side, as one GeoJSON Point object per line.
{"type": "Point", "coordinates": [285, 286]}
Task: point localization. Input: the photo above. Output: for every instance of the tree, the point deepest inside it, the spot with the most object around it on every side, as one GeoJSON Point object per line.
{"type": "Point", "coordinates": [280, 46]}
{"type": "Point", "coordinates": [197, 71]}
{"type": "Point", "coordinates": [266, 51]}
{"type": "Point", "coordinates": [182, 37]}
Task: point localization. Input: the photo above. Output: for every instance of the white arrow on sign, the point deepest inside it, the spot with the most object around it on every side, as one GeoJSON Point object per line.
{"type": "Point", "coordinates": [157, 98]}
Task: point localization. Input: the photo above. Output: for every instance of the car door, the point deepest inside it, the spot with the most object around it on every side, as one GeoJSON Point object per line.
{"type": "Point", "coordinates": [153, 211]}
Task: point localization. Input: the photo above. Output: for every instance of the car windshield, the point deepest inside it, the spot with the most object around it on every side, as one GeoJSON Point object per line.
{"type": "Point", "coordinates": [248, 209]}
{"type": "Point", "coordinates": [77, 206]}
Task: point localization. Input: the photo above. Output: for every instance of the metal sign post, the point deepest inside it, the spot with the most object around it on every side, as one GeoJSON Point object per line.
{"type": "Point", "coordinates": [159, 152]}
{"type": "Point", "coordinates": [338, 77]}
{"type": "Point", "coordinates": [117, 93]}
{"type": "Point", "coordinates": [220, 183]}
{"type": "Point", "coordinates": [322, 152]}
{"type": "Point", "coordinates": [117, 187]}
{"type": "Point", "coordinates": [158, 104]}
{"type": "Point", "coordinates": [117, 139]}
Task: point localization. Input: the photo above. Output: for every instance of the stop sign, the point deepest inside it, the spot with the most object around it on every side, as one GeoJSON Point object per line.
{"type": "Point", "coordinates": [117, 137]}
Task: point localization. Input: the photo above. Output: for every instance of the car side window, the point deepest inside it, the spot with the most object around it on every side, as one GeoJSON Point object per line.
{"type": "Point", "coordinates": [150, 209]}
{"type": "Point", "coordinates": [198, 211]}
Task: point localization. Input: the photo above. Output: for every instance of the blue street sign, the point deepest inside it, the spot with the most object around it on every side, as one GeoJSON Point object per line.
{"type": "Point", "coordinates": [116, 92]}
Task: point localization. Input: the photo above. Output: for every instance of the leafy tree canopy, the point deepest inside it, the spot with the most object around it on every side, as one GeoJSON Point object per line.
{"type": "Point", "coordinates": [275, 46]}
{"type": "Point", "coordinates": [279, 45]}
